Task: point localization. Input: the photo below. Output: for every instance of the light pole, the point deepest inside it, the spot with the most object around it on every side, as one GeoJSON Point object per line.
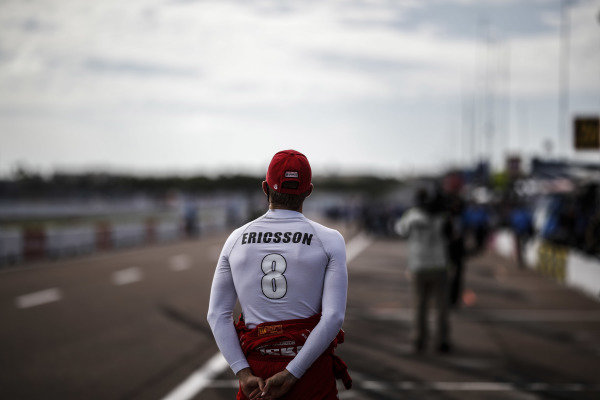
{"type": "Point", "coordinates": [563, 98]}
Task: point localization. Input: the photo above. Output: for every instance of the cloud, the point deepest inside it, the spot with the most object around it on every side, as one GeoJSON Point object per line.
{"type": "Point", "coordinates": [285, 52]}
{"type": "Point", "coordinates": [100, 65]}
{"type": "Point", "coordinates": [198, 67]}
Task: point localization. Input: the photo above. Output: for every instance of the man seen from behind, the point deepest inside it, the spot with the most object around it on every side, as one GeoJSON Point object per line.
{"type": "Point", "coordinates": [289, 275]}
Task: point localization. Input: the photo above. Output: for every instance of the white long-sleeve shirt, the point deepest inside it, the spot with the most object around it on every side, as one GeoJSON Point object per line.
{"type": "Point", "coordinates": [280, 266]}
{"type": "Point", "coordinates": [426, 242]}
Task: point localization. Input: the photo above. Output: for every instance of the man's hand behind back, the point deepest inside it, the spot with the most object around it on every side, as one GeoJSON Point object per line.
{"type": "Point", "coordinates": [279, 384]}
{"type": "Point", "coordinates": [252, 385]}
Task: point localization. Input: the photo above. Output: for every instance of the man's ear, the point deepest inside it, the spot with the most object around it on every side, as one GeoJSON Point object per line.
{"type": "Point", "coordinates": [265, 188]}
{"type": "Point", "coordinates": [310, 189]}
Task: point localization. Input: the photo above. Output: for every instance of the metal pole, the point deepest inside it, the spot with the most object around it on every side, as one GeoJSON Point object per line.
{"type": "Point", "coordinates": [563, 99]}
{"type": "Point", "coordinates": [507, 71]}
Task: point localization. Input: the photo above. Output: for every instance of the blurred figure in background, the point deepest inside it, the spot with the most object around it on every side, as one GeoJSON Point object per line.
{"type": "Point", "coordinates": [456, 249]}
{"type": "Point", "coordinates": [477, 223]}
{"type": "Point", "coordinates": [191, 223]}
{"type": "Point", "coordinates": [588, 219]}
{"type": "Point", "coordinates": [521, 222]}
{"type": "Point", "coordinates": [425, 225]}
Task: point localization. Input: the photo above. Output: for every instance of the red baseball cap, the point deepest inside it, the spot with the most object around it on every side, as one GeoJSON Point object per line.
{"type": "Point", "coordinates": [289, 172]}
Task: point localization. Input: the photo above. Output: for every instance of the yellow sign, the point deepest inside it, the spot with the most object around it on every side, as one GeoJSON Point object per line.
{"type": "Point", "coordinates": [587, 133]}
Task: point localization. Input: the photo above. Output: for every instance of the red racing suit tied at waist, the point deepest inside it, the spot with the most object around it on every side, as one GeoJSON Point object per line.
{"type": "Point", "coordinates": [279, 339]}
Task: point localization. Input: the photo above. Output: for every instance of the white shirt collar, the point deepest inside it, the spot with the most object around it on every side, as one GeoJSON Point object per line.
{"type": "Point", "coordinates": [279, 213]}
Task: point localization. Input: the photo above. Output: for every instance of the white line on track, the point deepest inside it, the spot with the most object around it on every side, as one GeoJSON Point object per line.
{"type": "Point", "coordinates": [199, 380]}
{"type": "Point", "coordinates": [374, 385]}
{"type": "Point", "coordinates": [38, 298]}
{"type": "Point", "coordinates": [470, 386]}
{"type": "Point", "coordinates": [126, 276]}
{"type": "Point", "coordinates": [544, 315]}
{"type": "Point", "coordinates": [357, 245]}
{"type": "Point", "coordinates": [379, 386]}
{"type": "Point", "coordinates": [180, 262]}
{"type": "Point", "coordinates": [497, 315]}
{"type": "Point", "coordinates": [203, 377]}
{"type": "Point", "coordinates": [224, 383]}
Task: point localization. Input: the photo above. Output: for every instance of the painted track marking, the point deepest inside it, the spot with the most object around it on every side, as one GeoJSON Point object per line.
{"type": "Point", "coordinates": [203, 377]}
{"type": "Point", "coordinates": [493, 315]}
{"type": "Point", "coordinates": [180, 262]}
{"type": "Point", "coordinates": [38, 298]}
{"type": "Point", "coordinates": [446, 386]}
{"type": "Point", "coordinates": [356, 246]}
{"type": "Point", "coordinates": [126, 276]}
{"type": "Point", "coordinates": [200, 379]}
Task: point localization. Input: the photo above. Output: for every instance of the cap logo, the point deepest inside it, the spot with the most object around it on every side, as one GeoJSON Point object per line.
{"type": "Point", "coordinates": [291, 174]}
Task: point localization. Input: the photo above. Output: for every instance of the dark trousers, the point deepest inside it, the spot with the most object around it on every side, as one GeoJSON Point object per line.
{"type": "Point", "coordinates": [456, 286]}
{"type": "Point", "coordinates": [430, 284]}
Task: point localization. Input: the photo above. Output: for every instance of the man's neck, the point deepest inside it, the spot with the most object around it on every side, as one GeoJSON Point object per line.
{"type": "Point", "coordinates": [278, 207]}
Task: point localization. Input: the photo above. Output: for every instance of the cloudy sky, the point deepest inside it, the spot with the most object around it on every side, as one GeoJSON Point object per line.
{"type": "Point", "coordinates": [387, 86]}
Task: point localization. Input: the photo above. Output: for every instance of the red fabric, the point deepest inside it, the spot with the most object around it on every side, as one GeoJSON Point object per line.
{"type": "Point", "coordinates": [318, 382]}
{"type": "Point", "coordinates": [289, 166]}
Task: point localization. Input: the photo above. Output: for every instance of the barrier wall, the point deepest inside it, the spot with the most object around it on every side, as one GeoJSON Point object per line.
{"type": "Point", "coordinates": [565, 265]}
{"type": "Point", "coordinates": [11, 245]}
{"type": "Point", "coordinates": [56, 236]}
{"type": "Point", "coordinates": [212, 218]}
{"type": "Point", "coordinates": [19, 244]}
{"type": "Point", "coordinates": [168, 230]}
{"type": "Point", "coordinates": [128, 234]}
{"type": "Point", "coordinates": [70, 240]}
{"type": "Point", "coordinates": [34, 243]}
{"type": "Point", "coordinates": [583, 273]}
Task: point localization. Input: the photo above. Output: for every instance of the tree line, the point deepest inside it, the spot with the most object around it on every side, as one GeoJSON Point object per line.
{"type": "Point", "coordinates": [28, 184]}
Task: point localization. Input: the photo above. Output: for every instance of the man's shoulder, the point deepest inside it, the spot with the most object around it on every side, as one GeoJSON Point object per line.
{"type": "Point", "coordinates": [325, 233]}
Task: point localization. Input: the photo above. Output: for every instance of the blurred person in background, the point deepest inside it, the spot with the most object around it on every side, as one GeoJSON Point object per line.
{"type": "Point", "coordinates": [456, 249]}
{"type": "Point", "coordinates": [559, 227]}
{"type": "Point", "coordinates": [191, 223]}
{"type": "Point", "coordinates": [587, 226]}
{"type": "Point", "coordinates": [289, 274]}
{"type": "Point", "coordinates": [426, 227]}
{"type": "Point", "coordinates": [573, 219]}
{"type": "Point", "coordinates": [477, 223]}
{"type": "Point", "coordinates": [521, 222]}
